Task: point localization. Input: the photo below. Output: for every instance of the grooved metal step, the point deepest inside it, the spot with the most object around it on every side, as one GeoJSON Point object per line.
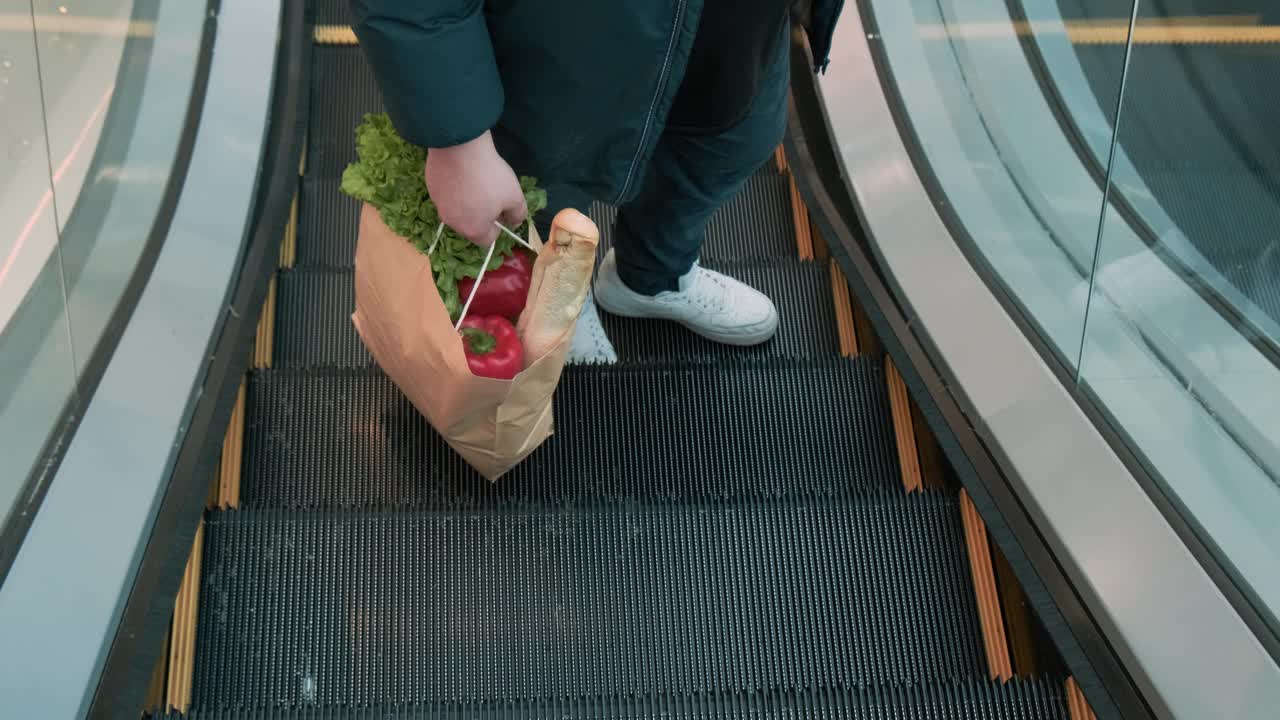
{"type": "Point", "coordinates": [313, 320]}
{"type": "Point", "coordinates": [342, 91]}
{"type": "Point", "coordinates": [348, 438]}
{"type": "Point", "coordinates": [333, 12]}
{"type": "Point", "coordinates": [755, 225]}
{"type": "Point", "coordinates": [972, 699]}
{"type": "Point", "coordinates": [372, 607]}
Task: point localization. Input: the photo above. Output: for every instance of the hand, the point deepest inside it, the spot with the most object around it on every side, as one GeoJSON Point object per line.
{"type": "Point", "coordinates": [472, 186]}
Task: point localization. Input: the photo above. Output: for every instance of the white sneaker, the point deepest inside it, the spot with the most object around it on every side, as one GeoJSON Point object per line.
{"type": "Point", "coordinates": [712, 305]}
{"type": "Point", "coordinates": [590, 344]}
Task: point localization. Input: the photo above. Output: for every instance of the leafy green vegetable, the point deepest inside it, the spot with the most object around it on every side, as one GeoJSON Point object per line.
{"type": "Point", "coordinates": [388, 176]}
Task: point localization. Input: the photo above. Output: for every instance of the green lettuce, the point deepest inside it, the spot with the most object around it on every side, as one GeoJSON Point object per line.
{"type": "Point", "coordinates": [388, 176]}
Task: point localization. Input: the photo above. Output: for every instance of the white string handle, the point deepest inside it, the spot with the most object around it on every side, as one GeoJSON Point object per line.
{"type": "Point", "coordinates": [484, 267]}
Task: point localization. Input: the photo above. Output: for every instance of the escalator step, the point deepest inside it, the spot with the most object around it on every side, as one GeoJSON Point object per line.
{"type": "Point", "coordinates": [348, 438]}
{"type": "Point", "coordinates": [755, 225]}
{"type": "Point", "coordinates": [342, 91]}
{"type": "Point", "coordinates": [333, 12]}
{"type": "Point", "coordinates": [402, 607]}
{"type": "Point", "coordinates": [313, 321]}
{"type": "Point", "coordinates": [973, 699]}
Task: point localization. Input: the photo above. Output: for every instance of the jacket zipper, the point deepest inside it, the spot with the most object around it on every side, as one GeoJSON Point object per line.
{"type": "Point", "coordinates": [653, 104]}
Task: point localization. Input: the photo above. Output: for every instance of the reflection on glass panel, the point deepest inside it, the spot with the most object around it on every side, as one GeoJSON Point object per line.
{"type": "Point", "coordinates": [80, 50]}
{"type": "Point", "coordinates": [984, 85]}
{"type": "Point", "coordinates": [116, 133]}
{"type": "Point", "coordinates": [37, 372]}
{"type": "Point", "coordinates": [1182, 343]}
{"type": "Point", "coordinates": [94, 101]}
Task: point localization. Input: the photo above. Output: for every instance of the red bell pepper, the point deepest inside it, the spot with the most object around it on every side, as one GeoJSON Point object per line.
{"type": "Point", "coordinates": [492, 346]}
{"type": "Point", "coordinates": [502, 291]}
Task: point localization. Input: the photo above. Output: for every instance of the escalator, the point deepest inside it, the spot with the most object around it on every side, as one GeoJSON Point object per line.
{"type": "Point", "coordinates": [985, 469]}
{"type": "Point", "coordinates": [711, 532]}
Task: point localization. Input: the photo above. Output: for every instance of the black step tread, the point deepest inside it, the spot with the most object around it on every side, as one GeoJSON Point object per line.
{"type": "Point", "coordinates": [314, 329]}
{"type": "Point", "coordinates": [333, 12]}
{"type": "Point", "coordinates": [969, 699]}
{"type": "Point", "coordinates": [756, 224]}
{"type": "Point", "coordinates": [349, 438]}
{"type": "Point", "coordinates": [342, 91]}
{"type": "Point", "coordinates": [401, 607]}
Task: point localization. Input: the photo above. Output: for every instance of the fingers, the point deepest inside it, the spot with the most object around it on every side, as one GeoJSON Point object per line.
{"type": "Point", "coordinates": [486, 237]}
{"type": "Point", "coordinates": [514, 217]}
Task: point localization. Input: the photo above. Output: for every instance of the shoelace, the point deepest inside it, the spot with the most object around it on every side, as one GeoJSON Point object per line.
{"type": "Point", "coordinates": [709, 290]}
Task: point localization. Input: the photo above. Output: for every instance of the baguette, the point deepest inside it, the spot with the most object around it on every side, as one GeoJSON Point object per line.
{"type": "Point", "coordinates": [560, 283]}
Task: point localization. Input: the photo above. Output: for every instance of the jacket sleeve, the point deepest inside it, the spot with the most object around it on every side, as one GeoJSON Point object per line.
{"type": "Point", "coordinates": [434, 63]}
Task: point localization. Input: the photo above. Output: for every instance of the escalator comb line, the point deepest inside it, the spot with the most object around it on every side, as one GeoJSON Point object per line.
{"type": "Point", "coordinates": [1019, 699]}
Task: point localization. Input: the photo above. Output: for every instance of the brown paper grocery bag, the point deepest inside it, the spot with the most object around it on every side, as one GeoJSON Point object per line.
{"type": "Point", "coordinates": [493, 424]}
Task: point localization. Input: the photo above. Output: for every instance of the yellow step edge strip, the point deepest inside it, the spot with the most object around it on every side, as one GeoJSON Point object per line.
{"type": "Point", "coordinates": [1017, 617]}
{"type": "Point", "coordinates": [182, 642]}
{"type": "Point", "coordinates": [155, 702]}
{"type": "Point", "coordinates": [264, 343]}
{"type": "Point", "coordinates": [1232, 30]}
{"type": "Point", "coordinates": [289, 245]}
{"type": "Point", "coordinates": [334, 35]}
{"type": "Point", "coordinates": [1077, 706]}
{"type": "Point", "coordinates": [1169, 31]}
{"type": "Point", "coordinates": [800, 218]}
{"type": "Point", "coordinates": [780, 159]}
{"type": "Point", "coordinates": [302, 160]}
{"type": "Point", "coordinates": [900, 405]}
{"type": "Point", "coordinates": [232, 450]}
{"type": "Point", "coordinates": [999, 666]}
{"type": "Point", "coordinates": [845, 326]}
{"type": "Point", "coordinates": [933, 466]}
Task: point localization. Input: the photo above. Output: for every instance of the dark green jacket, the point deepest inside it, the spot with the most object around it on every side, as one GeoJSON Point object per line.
{"type": "Point", "coordinates": [576, 91]}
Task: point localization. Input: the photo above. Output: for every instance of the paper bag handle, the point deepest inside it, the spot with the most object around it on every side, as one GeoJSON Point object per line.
{"type": "Point", "coordinates": [484, 266]}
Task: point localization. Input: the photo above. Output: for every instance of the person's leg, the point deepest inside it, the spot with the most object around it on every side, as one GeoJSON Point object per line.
{"type": "Point", "coordinates": [661, 229]}
{"type": "Point", "coordinates": [652, 270]}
